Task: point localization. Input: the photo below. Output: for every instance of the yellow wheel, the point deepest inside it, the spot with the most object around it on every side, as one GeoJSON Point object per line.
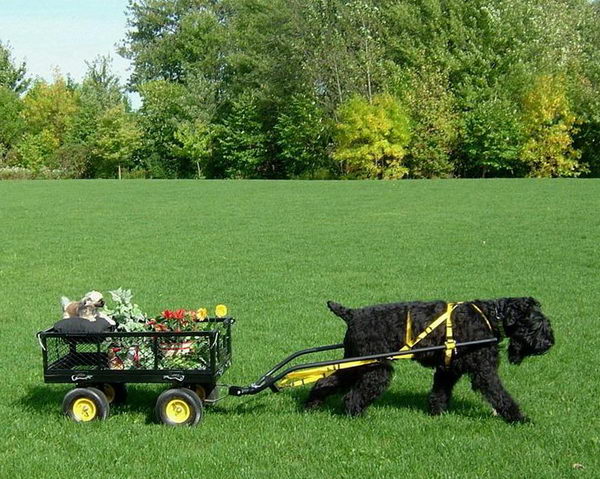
{"type": "Point", "coordinates": [179, 407]}
{"type": "Point", "coordinates": [178, 411]}
{"type": "Point", "coordinates": [86, 404]}
{"type": "Point", "coordinates": [84, 410]}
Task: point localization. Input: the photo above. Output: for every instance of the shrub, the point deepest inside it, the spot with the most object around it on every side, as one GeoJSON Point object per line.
{"type": "Point", "coordinates": [548, 126]}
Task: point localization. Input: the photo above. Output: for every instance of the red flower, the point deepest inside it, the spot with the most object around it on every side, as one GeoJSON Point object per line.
{"type": "Point", "coordinates": [179, 314]}
{"type": "Point", "coordinates": [168, 314]}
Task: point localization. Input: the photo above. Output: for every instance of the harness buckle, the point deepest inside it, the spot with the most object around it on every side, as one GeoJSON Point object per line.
{"type": "Point", "coordinates": [450, 344]}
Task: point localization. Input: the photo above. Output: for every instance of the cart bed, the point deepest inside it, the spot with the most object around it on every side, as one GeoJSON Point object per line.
{"type": "Point", "coordinates": [198, 357]}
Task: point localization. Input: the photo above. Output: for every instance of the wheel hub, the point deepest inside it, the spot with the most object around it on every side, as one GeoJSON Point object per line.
{"type": "Point", "coordinates": [178, 411]}
{"type": "Point", "coordinates": [84, 409]}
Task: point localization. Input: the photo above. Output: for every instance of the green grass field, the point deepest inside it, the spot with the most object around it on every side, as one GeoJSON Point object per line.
{"type": "Point", "coordinates": [274, 252]}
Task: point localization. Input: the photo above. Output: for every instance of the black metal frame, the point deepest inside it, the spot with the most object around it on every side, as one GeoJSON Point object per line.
{"type": "Point", "coordinates": [57, 372]}
{"type": "Point", "coordinates": [269, 379]}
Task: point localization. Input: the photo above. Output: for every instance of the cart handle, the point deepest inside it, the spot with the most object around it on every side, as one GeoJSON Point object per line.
{"type": "Point", "coordinates": [39, 338]}
{"type": "Point", "coordinates": [268, 375]}
{"type": "Point", "coordinates": [269, 381]}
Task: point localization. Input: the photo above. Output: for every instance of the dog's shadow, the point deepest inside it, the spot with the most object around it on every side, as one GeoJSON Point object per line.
{"type": "Point", "coordinates": [412, 401]}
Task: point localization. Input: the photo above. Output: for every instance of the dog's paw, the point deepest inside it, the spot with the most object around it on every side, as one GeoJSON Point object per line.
{"type": "Point", "coordinates": [311, 405]}
{"type": "Point", "coordinates": [353, 409]}
{"type": "Point", "coordinates": [516, 419]}
{"type": "Point", "coordinates": [522, 420]}
{"type": "Point", "coordinates": [437, 411]}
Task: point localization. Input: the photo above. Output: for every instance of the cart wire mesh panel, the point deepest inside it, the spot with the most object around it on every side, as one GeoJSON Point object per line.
{"type": "Point", "coordinates": [197, 356]}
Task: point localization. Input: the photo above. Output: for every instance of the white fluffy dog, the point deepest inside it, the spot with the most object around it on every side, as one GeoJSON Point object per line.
{"type": "Point", "coordinates": [86, 308]}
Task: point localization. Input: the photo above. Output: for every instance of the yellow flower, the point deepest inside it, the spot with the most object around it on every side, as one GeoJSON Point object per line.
{"type": "Point", "coordinates": [202, 314]}
{"type": "Point", "coordinates": [221, 311]}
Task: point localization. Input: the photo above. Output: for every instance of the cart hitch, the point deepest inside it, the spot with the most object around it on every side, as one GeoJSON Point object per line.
{"type": "Point", "coordinates": [240, 391]}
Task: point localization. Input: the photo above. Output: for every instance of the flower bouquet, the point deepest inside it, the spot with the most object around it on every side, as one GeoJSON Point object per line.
{"type": "Point", "coordinates": [180, 320]}
{"type": "Point", "coordinates": [179, 352]}
{"type": "Point", "coordinates": [175, 351]}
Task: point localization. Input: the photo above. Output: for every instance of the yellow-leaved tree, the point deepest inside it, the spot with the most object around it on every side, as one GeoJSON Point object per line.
{"type": "Point", "coordinates": [371, 138]}
{"type": "Point", "coordinates": [48, 112]}
{"type": "Point", "coordinates": [549, 125]}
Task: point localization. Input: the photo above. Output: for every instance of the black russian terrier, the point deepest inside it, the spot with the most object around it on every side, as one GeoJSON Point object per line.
{"type": "Point", "coordinates": [382, 328]}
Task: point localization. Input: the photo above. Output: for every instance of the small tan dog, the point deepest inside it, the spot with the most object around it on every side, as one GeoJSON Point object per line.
{"type": "Point", "coordinates": [86, 308]}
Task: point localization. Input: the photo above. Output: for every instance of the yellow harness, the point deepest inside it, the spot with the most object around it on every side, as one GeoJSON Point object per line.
{"type": "Point", "coordinates": [446, 317]}
{"type": "Point", "coordinates": [310, 375]}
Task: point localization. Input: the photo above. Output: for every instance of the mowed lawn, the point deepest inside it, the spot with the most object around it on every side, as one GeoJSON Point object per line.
{"type": "Point", "coordinates": [274, 252]}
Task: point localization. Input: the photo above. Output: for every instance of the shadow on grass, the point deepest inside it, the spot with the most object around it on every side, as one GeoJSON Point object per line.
{"type": "Point", "coordinates": [412, 401]}
{"type": "Point", "coordinates": [48, 401]}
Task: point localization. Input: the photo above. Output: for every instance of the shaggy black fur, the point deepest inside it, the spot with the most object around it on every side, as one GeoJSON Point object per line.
{"type": "Point", "coordinates": [381, 328]}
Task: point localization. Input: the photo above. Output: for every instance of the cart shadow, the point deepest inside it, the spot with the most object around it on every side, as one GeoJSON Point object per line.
{"type": "Point", "coordinates": [41, 400]}
{"type": "Point", "coordinates": [417, 402]}
{"type": "Point", "coordinates": [249, 405]}
{"type": "Point", "coordinates": [48, 401]}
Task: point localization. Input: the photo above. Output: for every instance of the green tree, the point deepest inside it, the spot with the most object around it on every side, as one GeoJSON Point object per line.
{"type": "Point", "coordinates": [241, 145]}
{"type": "Point", "coordinates": [302, 136]}
{"type": "Point", "coordinates": [100, 96]}
{"type": "Point", "coordinates": [12, 76]}
{"type": "Point", "coordinates": [435, 123]}
{"type": "Point", "coordinates": [163, 110]}
{"type": "Point", "coordinates": [165, 37]}
{"type": "Point", "coordinates": [342, 46]}
{"type": "Point", "coordinates": [371, 138]}
{"type": "Point", "coordinates": [492, 139]}
{"type": "Point", "coordinates": [114, 142]}
{"type": "Point", "coordinates": [196, 144]}
{"type": "Point", "coordinates": [11, 123]}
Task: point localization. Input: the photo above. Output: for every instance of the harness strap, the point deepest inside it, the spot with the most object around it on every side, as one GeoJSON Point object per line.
{"type": "Point", "coordinates": [446, 318]}
{"type": "Point", "coordinates": [478, 309]}
{"type": "Point", "coordinates": [426, 332]}
{"type": "Point", "coordinates": [450, 343]}
{"type": "Point", "coordinates": [408, 331]}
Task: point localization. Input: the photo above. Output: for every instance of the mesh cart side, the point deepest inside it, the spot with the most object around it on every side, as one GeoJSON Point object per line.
{"type": "Point", "coordinates": [198, 357]}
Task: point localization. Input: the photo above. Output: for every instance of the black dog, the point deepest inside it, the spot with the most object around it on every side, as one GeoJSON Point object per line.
{"type": "Point", "coordinates": [382, 328]}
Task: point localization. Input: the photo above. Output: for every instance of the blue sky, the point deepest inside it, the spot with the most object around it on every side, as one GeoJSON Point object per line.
{"type": "Point", "coordinates": [63, 33]}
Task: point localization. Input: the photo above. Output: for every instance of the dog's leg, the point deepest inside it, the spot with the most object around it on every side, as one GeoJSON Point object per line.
{"type": "Point", "coordinates": [443, 383]}
{"type": "Point", "coordinates": [488, 383]}
{"type": "Point", "coordinates": [369, 385]}
{"type": "Point", "coordinates": [325, 387]}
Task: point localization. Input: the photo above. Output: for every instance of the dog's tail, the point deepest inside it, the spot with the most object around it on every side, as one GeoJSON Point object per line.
{"type": "Point", "coordinates": [64, 301]}
{"type": "Point", "coordinates": [339, 310]}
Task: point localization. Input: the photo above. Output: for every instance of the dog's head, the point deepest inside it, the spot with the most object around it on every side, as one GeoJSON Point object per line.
{"type": "Point", "coordinates": [94, 299]}
{"type": "Point", "coordinates": [527, 328]}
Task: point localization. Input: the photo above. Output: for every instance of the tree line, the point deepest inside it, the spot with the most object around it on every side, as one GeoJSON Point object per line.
{"type": "Point", "coordinates": [322, 89]}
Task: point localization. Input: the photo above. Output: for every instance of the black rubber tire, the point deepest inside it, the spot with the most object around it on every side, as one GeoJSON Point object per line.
{"type": "Point", "coordinates": [116, 393]}
{"type": "Point", "coordinates": [179, 407]}
{"type": "Point", "coordinates": [86, 404]}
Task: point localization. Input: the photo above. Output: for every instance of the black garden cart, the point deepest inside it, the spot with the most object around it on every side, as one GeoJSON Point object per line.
{"type": "Point", "coordinates": [101, 364]}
